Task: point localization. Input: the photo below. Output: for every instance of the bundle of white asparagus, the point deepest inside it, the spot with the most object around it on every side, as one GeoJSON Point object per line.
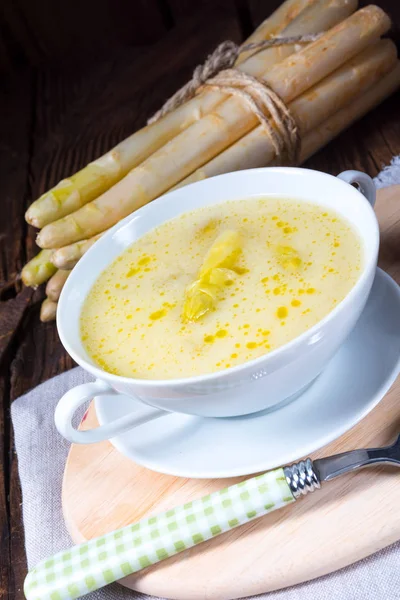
{"type": "Point", "coordinates": [327, 85]}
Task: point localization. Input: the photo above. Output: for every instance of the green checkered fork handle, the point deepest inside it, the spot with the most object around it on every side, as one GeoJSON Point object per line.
{"type": "Point", "coordinates": [92, 565]}
{"type": "Point", "coordinates": [106, 559]}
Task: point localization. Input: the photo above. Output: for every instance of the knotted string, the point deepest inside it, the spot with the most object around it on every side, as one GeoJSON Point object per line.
{"type": "Point", "coordinates": [223, 57]}
{"type": "Point", "coordinates": [267, 106]}
{"type": "Point", "coordinates": [216, 72]}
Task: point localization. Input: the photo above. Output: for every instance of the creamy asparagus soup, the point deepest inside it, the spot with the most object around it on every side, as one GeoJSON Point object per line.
{"type": "Point", "coordinates": [219, 286]}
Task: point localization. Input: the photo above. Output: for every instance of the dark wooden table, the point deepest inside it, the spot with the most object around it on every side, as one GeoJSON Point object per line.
{"type": "Point", "coordinates": [53, 121]}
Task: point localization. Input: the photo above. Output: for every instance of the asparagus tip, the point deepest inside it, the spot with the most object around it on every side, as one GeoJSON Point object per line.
{"type": "Point", "coordinates": [25, 276]}
{"type": "Point", "coordinates": [27, 279]}
{"type": "Point", "coordinates": [56, 262]}
{"type": "Point", "coordinates": [30, 218]}
{"type": "Point", "coordinates": [39, 240]}
{"type": "Point", "coordinates": [48, 310]}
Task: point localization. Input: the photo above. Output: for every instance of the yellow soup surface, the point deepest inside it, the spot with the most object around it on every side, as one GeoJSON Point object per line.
{"type": "Point", "coordinates": [218, 286]}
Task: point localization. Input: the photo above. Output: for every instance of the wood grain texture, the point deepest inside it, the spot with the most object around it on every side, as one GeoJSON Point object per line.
{"type": "Point", "coordinates": [234, 565]}
{"type": "Point", "coordinates": [55, 121]}
{"type": "Point", "coordinates": [103, 490]}
{"type": "Point", "coordinates": [15, 139]}
{"type": "Point", "coordinates": [43, 32]}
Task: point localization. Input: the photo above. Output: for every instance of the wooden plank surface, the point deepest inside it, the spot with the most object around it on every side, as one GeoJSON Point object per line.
{"type": "Point", "coordinates": [15, 139]}
{"type": "Point", "coordinates": [54, 122]}
{"type": "Point", "coordinates": [43, 32]}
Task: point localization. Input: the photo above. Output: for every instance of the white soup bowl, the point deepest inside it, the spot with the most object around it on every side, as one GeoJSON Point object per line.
{"type": "Point", "coordinates": [249, 387]}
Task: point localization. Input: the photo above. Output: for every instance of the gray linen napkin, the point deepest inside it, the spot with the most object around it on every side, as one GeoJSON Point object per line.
{"type": "Point", "coordinates": [42, 453]}
{"type": "Point", "coordinates": [390, 175]}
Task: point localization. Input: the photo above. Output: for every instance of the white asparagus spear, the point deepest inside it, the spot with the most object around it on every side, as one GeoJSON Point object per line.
{"type": "Point", "coordinates": [310, 110]}
{"type": "Point", "coordinates": [56, 284]}
{"type": "Point", "coordinates": [88, 183]}
{"type": "Point", "coordinates": [361, 105]}
{"type": "Point", "coordinates": [364, 101]}
{"type": "Point", "coordinates": [48, 310]}
{"type": "Point", "coordinates": [249, 156]}
{"type": "Point", "coordinates": [272, 26]}
{"type": "Point", "coordinates": [39, 269]}
{"type": "Point", "coordinates": [68, 256]}
{"type": "Point", "coordinates": [46, 262]}
{"type": "Point", "coordinates": [205, 139]}
{"type": "Point", "coordinates": [314, 19]}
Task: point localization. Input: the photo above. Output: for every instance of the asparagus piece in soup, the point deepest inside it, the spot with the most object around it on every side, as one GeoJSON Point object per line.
{"type": "Point", "coordinates": [216, 272]}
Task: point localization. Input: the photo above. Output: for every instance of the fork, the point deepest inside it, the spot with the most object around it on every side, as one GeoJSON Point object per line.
{"type": "Point", "coordinates": [92, 565]}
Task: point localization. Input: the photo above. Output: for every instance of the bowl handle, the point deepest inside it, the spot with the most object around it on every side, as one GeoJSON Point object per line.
{"type": "Point", "coordinates": [364, 182]}
{"type": "Point", "coordinates": [80, 394]}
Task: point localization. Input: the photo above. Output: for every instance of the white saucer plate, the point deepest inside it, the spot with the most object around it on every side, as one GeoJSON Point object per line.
{"type": "Point", "coordinates": [355, 381]}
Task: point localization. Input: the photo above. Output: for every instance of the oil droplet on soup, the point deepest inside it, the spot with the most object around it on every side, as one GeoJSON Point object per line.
{"type": "Point", "coordinates": [297, 261]}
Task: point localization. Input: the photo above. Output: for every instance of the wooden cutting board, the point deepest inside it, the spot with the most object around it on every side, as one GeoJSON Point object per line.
{"type": "Point", "coordinates": [345, 521]}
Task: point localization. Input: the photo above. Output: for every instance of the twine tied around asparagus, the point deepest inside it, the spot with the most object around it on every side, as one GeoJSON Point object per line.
{"type": "Point", "coordinates": [267, 106]}
{"type": "Point", "coordinates": [216, 72]}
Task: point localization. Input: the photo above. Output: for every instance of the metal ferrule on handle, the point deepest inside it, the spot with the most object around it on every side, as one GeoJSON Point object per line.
{"type": "Point", "coordinates": [302, 478]}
